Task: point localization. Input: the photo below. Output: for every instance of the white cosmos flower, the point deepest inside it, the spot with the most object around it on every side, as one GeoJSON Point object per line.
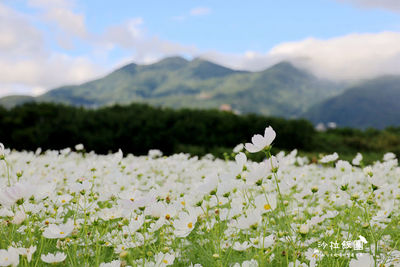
{"type": "Point", "coordinates": [241, 160]}
{"type": "Point", "coordinates": [64, 199]}
{"type": "Point", "coordinates": [365, 260]}
{"type": "Point", "coordinates": [157, 225]}
{"type": "Point", "coordinates": [77, 187]}
{"type": "Point", "coordinates": [53, 258]}
{"type": "Point", "coordinates": [259, 142]}
{"type": "Point", "coordinates": [155, 153]}
{"type": "Point", "coordinates": [304, 229]}
{"type": "Point", "coordinates": [9, 257]}
{"type": "Point", "coordinates": [357, 160]}
{"type": "Point", "coordinates": [272, 163]}
{"type": "Point", "coordinates": [265, 204]}
{"type": "Point", "coordinates": [164, 259]}
{"type": "Point", "coordinates": [343, 166]}
{"type": "Point", "coordinates": [389, 156]}
{"type": "Point", "coordinates": [110, 213]}
{"type": "Point", "coordinates": [27, 252]}
{"type": "Point", "coordinates": [185, 224]}
{"type": "Point", "coordinates": [260, 242]}
{"type": "Point", "coordinates": [2, 150]}
{"type": "Point", "coordinates": [19, 217]}
{"type": "Point", "coordinates": [114, 263]}
{"type": "Point", "coordinates": [313, 255]}
{"type": "Point", "coordinates": [238, 148]}
{"type": "Point", "coordinates": [258, 171]}
{"type": "Point", "coordinates": [209, 184]}
{"type": "Point", "coordinates": [297, 264]}
{"type": "Point", "coordinates": [329, 158]}
{"type": "Point", "coordinates": [79, 147]}
{"type": "Point", "coordinates": [4, 212]}
{"type": "Point", "coordinates": [10, 195]}
{"type": "Point", "coordinates": [241, 246]}
{"type": "Point", "coordinates": [134, 224]}
{"type": "Point", "coordinates": [245, 222]}
{"type": "Point", "coordinates": [58, 231]}
{"type": "Point", "coordinates": [250, 263]}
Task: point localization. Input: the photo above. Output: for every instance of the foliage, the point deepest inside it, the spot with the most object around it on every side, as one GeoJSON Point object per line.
{"type": "Point", "coordinates": [137, 128]}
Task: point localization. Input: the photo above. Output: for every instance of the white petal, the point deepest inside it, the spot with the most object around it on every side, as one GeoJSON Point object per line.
{"type": "Point", "coordinates": [252, 148]}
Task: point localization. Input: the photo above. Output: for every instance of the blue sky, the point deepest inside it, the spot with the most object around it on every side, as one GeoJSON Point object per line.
{"type": "Point", "coordinates": [48, 43]}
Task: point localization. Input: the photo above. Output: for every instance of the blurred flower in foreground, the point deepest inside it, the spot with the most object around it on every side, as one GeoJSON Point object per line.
{"type": "Point", "coordinates": [79, 147]}
{"type": "Point", "coordinates": [54, 258]}
{"type": "Point", "coordinates": [9, 257]}
{"type": "Point", "coordinates": [329, 158]}
{"type": "Point", "coordinates": [357, 160]}
{"type": "Point", "coordinates": [2, 152]}
{"type": "Point", "coordinates": [365, 260]}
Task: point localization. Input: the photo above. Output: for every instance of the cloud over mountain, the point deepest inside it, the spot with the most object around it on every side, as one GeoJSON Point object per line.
{"type": "Point", "coordinates": [41, 49]}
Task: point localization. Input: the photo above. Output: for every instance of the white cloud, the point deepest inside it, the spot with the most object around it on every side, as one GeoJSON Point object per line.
{"type": "Point", "coordinates": [350, 57]}
{"type": "Point", "coordinates": [51, 3]}
{"type": "Point", "coordinates": [353, 56]}
{"type": "Point", "coordinates": [68, 21]}
{"type": "Point", "coordinates": [18, 38]}
{"type": "Point", "coordinates": [55, 71]}
{"type": "Point", "coordinates": [200, 11]}
{"type": "Point", "coordinates": [144, 48]}
{"type": "Point", "coordinates": [393, 5]}
{"type": "Point", "coordinates": [61, 13]}
{"type": "Point", "coordinates": [27, 65]}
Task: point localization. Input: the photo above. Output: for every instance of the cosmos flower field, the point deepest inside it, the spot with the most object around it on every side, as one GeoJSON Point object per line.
{"type": "Point", "coordinates": [74, 208]}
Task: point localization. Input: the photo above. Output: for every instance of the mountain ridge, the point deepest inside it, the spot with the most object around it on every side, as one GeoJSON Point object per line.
{"type": "Point", "coordinates": [281, 90]}
{"type": "Point", "coordinates": [370, 103]}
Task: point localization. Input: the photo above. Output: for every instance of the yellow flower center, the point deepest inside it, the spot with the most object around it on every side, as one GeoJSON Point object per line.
{"type": "Point", "coordinates": [190, 225]}
{"type": "Point", "coordinates": [132, 199]}
{"type": "Point", "coordinates": [267, 206]}
{"type": "Point", "coordinates": [183, 203]}
{"type": "Point", "coordinates": [165, 261]}
{"type": "Point", "coordinates": [167, 216]}
{"type": "Point", "coordinates": [63, 201]}
{"type": "Point", "coordinates": [61, 233]}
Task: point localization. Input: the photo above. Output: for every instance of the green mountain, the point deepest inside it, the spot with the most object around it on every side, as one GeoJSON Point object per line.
{"type": "Point", "coordinates": [374, 103]}
{"type": "Point", "coordinates": [281, 90]}
{"type": "Point", "coordinates": [15, 100]}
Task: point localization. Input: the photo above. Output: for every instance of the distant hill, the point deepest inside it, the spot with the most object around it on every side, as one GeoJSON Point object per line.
{"type": "Point", "coordinates": [281, 90]}
{"type": "Point", "coordinates": [15, 100]}
{"type": "Point", "coordinates": [374, 103]}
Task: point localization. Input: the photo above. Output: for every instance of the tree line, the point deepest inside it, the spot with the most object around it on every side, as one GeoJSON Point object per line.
{"type": "Point", "coordinates": [137, 128]}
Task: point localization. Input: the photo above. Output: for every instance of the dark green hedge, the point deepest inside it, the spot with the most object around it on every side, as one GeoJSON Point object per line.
{"type": "Point", "coordinates": [137, 128]}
